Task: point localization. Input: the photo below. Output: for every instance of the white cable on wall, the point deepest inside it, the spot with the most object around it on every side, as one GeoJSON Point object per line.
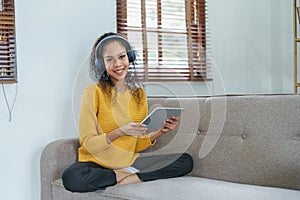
{"type": "Point", "coordinates": [10, 108]}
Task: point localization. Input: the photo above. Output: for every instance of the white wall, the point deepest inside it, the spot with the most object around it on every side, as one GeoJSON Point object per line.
{"type": "Point", "coordinates": [53, 37]}
{"type": "Point", "coordinates": [251, 47]}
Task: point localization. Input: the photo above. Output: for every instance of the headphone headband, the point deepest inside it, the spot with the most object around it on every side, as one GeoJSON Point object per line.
{"type": "Point", "coordinates": [107, 38]}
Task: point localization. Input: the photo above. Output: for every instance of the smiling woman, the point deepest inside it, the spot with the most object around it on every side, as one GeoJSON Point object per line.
{"type": "Point", "coordinates": [110, 128]}
{"type": "Point", "coordinates": [99, 63]}
{"type": "Point", "coordinates": [116, 65]}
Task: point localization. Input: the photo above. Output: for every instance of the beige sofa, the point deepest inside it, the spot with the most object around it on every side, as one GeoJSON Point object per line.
{"type": "Point", "coordinates": [244, 147]}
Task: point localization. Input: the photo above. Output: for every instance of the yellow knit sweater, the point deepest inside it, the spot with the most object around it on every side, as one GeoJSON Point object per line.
{"type": "Point", "coordinates": [101, 114]}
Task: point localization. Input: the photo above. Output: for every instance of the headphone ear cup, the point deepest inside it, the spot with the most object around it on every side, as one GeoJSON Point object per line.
{"type": "Point", "coordinates": [98, 64]}
{"type": "Point", "coordinates": [131, 56]}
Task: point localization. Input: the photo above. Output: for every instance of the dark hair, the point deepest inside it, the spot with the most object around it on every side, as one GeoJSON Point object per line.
{"type": "Point", "coordinates": [100, 74]}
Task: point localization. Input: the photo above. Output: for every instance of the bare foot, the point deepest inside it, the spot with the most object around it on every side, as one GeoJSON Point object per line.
{"type": "Point", "coordinates": [121, 174]}
{"type": "Point", "coordinates": [133, 178]}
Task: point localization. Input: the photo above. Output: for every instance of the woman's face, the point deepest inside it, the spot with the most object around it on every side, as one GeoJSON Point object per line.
{"type": "Point", "coordinates": [116, 61]}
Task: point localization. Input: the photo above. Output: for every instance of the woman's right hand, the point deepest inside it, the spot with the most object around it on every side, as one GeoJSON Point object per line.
{"type": "Point", "coordinates": [133, 129]}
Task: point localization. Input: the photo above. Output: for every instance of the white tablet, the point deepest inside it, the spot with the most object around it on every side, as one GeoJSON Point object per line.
{"type": "Point", "coordinates": [155, 119]}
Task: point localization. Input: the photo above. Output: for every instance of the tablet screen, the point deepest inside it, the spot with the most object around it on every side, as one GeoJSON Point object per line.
{"type": "Point", "coordinates": [155, 119]}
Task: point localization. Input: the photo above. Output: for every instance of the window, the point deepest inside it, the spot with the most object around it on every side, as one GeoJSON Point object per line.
{"type": "Point", "coordinates": [169, 37]}
{"type": "Point", "coordinates": [8, 68]}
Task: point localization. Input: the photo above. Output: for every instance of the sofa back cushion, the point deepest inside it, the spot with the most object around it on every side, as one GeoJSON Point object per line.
{"type": "Point", "coordinates": [247, 139]}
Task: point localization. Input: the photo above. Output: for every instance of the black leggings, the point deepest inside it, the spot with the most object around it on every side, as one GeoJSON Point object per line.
{"type": "Point", "coordinates": [89, 176]}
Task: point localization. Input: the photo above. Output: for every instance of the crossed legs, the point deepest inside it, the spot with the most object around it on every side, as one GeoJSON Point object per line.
{"type": "Point", "coordinates": [88, 176]}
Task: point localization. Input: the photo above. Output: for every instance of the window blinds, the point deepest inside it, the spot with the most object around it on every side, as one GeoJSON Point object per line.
{"type": "Point", "coordinates": [169, 36]}
{"type": "Point", "coordinates": [8, 69]}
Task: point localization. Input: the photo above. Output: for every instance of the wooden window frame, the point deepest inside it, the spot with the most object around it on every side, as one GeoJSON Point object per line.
{"type": "Point", "coordinates": [196, 31]}
{"type": "Point", "coordinates": [8, 64]}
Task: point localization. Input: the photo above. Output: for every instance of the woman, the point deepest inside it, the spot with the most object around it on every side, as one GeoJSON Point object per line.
{"type": "Point", "coordinates": [110, 133]}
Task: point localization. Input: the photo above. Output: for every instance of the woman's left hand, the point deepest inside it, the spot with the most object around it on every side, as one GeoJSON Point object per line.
{"type": "Point", "coordinates": [170, 124]}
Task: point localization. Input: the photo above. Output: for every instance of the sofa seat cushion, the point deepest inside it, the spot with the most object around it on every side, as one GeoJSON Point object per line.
{"type": "Point", "coordinates": [186, 187]}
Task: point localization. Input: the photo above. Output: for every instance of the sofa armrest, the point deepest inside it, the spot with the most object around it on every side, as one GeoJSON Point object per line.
{"type": "Point", "coordinates": [55, 158]}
